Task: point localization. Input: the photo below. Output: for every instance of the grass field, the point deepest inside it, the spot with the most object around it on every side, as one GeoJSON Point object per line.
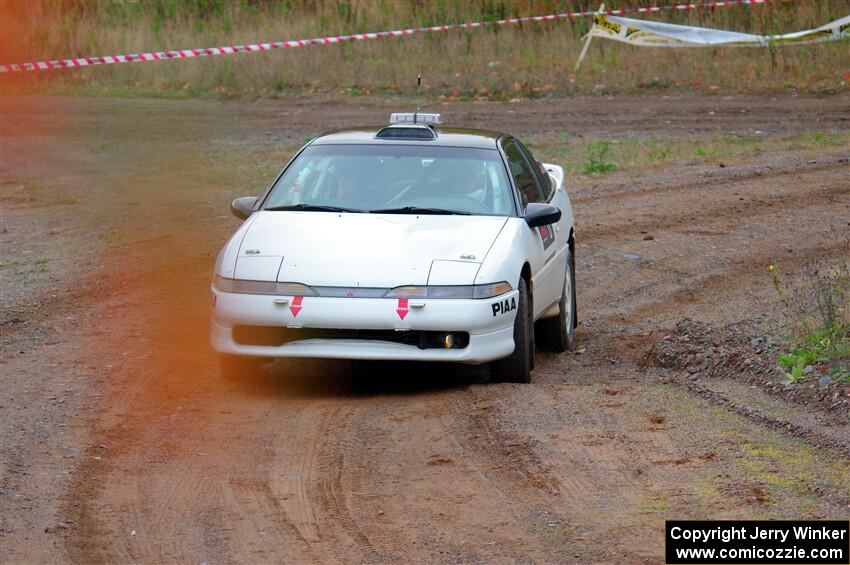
{"type": "Point", "coordinates": [502, 63]}
{"type": "Point", "coordinates": [635, 156]}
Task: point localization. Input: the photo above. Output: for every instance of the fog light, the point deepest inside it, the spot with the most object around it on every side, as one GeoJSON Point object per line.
{"type": "Point", "coordinates": [449, 341]}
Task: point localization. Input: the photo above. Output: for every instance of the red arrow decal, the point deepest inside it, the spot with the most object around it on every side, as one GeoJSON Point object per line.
{"type": "Point", "coordinates": [402, 308]}
{"type": "Point", "coordinates": [296, 306]}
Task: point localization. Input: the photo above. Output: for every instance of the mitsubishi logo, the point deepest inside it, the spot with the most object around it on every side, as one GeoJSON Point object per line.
{"type": "Point", "coordinates": [349, 294]}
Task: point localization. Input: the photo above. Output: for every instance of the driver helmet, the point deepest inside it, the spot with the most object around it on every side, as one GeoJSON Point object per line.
{"type": "Point", "coordinates": [350, 181]}
{"type": "Point", "coordinates": [462, 176]}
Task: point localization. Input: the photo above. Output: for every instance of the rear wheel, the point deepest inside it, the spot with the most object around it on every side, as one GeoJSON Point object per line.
{"type": "Point", "coordinates": [557, 333]}
{"type": "Point", "coordinates": [238, 367]}
{"type": "Point", "coordinates": [516, 368]}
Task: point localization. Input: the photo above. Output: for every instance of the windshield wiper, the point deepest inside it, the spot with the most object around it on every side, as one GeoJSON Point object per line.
{"type": "Point", "coordinates": [417, 210]}
{"type": "Point", "coordinates": [310, 208]}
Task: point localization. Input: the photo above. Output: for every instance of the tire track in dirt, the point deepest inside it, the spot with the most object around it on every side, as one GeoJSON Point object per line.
{"type": "Point", "coordinates": [405, 455]}
{"type": "Point", "coordinates": [332, 470]}
{"type": "Point", "coordinates": [85, 545]}
{"type": "Point", "coordinates": [514, 467]}
{"type": "Point", "coordinates": [92, 539]}
{"type": "Point", "coordinates": [256, 498]}
{"type": "Point", "coordinates": [698, 289]}
{"type": "Point", "coordinates": [675, 282]}
{"type": "Point", "coordinates": [215, 491]}
{"type": "Point", "coordinates": [291, 484]}
{"type": "Point", "coordinates": [718, 213]}
{"type": "Point", "coordinates": [156, 423]}
{"type": "Point", "coordinates": [514, 459]}
{"type": "Point", "coordinates": [565, 496]}
{"type": "Point", "coordinates": [317, 479]}
{"type": "Point", "coordinates": [811, 436]}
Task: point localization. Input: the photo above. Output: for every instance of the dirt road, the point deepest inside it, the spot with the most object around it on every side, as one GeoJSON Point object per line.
{"type": "Point", "coordinates": [121, 442]}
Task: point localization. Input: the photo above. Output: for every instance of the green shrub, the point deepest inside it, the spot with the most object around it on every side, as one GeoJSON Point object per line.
{"type": "Point", "coordinates": [596, 158]}
{"type": "Point", "coordinates": [819, 309]}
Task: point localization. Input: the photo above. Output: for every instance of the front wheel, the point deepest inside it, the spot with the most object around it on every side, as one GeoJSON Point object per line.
{"type": "Point", "coordinates": [240, 368]}
{"type": "Point", "coordinates": [516, 368]}
{"type": "Point", "coordinates": [558, 333]}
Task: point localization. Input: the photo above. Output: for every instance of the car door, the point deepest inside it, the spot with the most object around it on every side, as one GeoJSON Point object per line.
{"type": "Point", "coordinates": [547, 271]}
{"type": "Point", "coordinates": [556, 196]}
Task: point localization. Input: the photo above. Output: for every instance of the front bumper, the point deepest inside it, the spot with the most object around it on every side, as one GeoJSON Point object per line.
{"type": "Point", "coordinates": [489, 323]}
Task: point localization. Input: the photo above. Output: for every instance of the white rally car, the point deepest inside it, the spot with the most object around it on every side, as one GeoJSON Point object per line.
{"type": "Point", "coordinates": [405, 242]}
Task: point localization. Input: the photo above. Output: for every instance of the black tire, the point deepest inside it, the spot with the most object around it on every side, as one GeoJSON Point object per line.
{"type": "Point", "coordinates": [516, 368]}
{"type": "Point", "coordinates": [240, 368]}
{"type": "Point", "coordinates": [558, 333]}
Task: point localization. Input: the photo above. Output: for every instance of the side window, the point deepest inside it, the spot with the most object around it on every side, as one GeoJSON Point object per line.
{"type": "Point", "coordinates": [542, 176]}
{"type": "Point", "coordinates": [526, 181]}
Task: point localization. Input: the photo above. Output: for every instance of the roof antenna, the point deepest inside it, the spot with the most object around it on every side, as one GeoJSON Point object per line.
{"type": "Point", "coordinates": [418, 97]}
{"type": "Point", "coordinates": [418, 79]}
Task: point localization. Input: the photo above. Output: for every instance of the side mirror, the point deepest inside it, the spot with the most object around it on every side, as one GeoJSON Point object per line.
{"type": "Point", "coordinates": [243, 207]}
{"type": "Point", "coordinates": [538, 214]}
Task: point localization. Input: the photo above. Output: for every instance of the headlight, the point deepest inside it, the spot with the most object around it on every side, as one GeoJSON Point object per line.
{"type": "Point", "coordinates": [240, 286]}
{"type": "Point", "coordinates": [491, 290]}
{"type": "Point", "coordinates": [459, 291]}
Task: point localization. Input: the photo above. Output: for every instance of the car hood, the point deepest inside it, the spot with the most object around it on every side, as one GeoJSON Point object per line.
{"type": "Point", "coordinates": [366, 250]}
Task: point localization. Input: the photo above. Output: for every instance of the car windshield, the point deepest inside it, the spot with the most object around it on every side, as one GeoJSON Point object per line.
{"type": "Point", "coordinates": [394, 179]}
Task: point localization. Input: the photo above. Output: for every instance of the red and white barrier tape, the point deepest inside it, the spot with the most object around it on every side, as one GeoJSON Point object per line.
{"type": "Point", "coordinates": [211, 51]}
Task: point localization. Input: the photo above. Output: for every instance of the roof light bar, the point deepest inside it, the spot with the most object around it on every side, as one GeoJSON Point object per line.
{"type": "Point", "coordinates": [414, 118]}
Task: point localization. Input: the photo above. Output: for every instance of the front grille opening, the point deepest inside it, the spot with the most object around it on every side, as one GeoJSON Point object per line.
{"type": "Point", "coordinates": [276, 336]}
